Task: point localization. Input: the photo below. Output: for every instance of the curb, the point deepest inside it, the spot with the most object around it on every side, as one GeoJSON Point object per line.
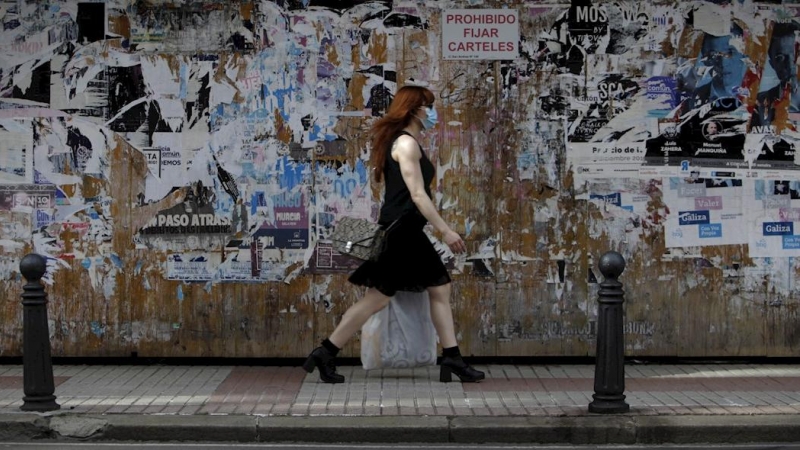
{"type": "Point", "coordinates": [332, 429]}
{"type": "Point", "coordinates": [23, 427]}
{"type": "Point", "coordinates": [718, 429]}
{"type": "Point", "coordinates": [544, 430]}
{"type": "Point", "coordinates": [599, 430]}
{"type": "Point", "coordinates": [178, 428]}
{"type": "Point", "coordinates": [595, 429]}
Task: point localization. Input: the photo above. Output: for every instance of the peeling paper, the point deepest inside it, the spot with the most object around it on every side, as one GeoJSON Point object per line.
{"type": "Point", "coordinates": [44, 246]}
{"type": "Point", "coordinates": [712, 19]}
{"type": "Point", "coordinates": [513, 255]}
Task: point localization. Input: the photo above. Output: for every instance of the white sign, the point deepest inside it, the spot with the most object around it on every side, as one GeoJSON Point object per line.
{"type": "Point", "coordinates": [480, 34]}
{"type": "Point", "coordinates": [605, 160]}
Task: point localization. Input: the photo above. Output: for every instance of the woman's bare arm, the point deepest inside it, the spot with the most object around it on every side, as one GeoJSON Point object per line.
{"type": "Point", "coordinates": [407, 153]}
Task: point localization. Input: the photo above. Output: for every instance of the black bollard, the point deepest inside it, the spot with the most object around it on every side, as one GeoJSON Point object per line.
{"type": "Point", "coordinates": [609, 371]}
{"type": "Point", "coordinates": [38, 383]}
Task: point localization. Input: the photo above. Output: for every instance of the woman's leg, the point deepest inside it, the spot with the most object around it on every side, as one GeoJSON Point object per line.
{"type": "Point", "coordinates": [352, 320]}
{"type": "Point", "coordinates": [442, 316]}
{"type": "Point", "coordinates": [323, 356]}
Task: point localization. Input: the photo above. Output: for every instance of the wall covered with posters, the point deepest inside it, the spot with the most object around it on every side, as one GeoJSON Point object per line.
{"type": "Point", "coordinates": [181, 164]}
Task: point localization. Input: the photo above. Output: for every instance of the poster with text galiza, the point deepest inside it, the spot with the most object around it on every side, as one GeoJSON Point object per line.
{"type": "Point", "coordinates": [773, 209]}
{"type": "Point", "coordinates": [703, 211]}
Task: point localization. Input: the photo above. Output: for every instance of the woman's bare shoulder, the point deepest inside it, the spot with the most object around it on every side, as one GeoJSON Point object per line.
{"type": "Point", "coordinates": [405, 145]}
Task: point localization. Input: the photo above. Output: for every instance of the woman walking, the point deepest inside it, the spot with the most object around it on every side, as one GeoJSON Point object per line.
{"type": "Point", "coordinates": [409, 262]}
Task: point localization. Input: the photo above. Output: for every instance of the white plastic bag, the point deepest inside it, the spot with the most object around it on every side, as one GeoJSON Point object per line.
{"type": "Point", "coordinates": [401, 335]}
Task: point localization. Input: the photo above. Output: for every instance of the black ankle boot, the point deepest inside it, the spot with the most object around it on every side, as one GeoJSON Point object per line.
{"type": "Point", "coordinates": [323, 360]}
{"type": "Point", "coordinates": [456, 365]}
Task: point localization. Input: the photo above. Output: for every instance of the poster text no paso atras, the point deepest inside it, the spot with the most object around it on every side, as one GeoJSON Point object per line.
{"type": "Point", "coordinates": [177, 221]}
{"type": "Point", "coordinates": [195, 215]}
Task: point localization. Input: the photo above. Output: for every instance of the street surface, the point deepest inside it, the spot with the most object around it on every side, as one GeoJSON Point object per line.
{"type": "Point", "coordinates": [517, 404]}
{"type": "Point", "coordinates": [218, 446]}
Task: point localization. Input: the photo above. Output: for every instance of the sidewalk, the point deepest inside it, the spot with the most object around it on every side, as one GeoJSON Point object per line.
{"type": "Point", "coordinates": [516, 403]}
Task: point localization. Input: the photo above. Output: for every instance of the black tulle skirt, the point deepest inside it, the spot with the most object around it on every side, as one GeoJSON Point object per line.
{"type": "Point", "coordinates": [409, 263]}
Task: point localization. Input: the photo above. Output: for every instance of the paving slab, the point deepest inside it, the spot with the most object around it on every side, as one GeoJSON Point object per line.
{"type": "Point", "coordinates": [516, 403]}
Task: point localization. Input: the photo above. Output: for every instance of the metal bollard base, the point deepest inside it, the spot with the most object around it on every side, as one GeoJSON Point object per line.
{"type": "Point", "coordinates": [40, 404]}
{"type": "Point", "coordinates": [608, 404]}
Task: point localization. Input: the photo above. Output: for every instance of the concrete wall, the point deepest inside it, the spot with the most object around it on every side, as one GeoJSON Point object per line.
{"type": "Point", "coordinates": [182, 163]}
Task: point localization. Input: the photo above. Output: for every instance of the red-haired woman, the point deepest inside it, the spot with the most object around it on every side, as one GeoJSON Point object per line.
{"type": "Point", "coordinates": [410, 262]}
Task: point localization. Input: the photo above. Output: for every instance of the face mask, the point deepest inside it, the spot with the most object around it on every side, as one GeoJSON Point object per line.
{"type": "Point", "coordinates": [431, 118]}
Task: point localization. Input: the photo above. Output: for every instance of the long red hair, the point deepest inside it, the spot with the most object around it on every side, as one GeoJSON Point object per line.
{"type": "Point", "coordinates": [399, 115]}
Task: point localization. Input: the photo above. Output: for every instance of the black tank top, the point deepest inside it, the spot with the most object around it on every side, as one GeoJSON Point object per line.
{"type": "Point", "coordinates": [397, 201]}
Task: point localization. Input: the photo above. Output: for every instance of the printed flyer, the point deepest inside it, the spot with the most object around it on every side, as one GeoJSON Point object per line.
{"type": "Point", "coordinates": [287, 224]}
{"type": "Point", "coordinates": [16, 156]}
{"type": "Point", "coordinates": [703, 212]}
{"type": "Point", "coordinates": [195, 266]}
{"type": "Point", "coordinates": [773, 210]}
{"type": "Point", "coordinates": [629, 201]}
{"type": "Point", "coordinates": [602, 160]}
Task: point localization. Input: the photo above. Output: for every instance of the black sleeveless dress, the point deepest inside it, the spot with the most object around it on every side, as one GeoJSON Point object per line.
{"type": "Point", "coordinates": [410, 261]}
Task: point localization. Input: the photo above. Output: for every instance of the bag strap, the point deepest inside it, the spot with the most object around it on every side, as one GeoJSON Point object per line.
{"type": "Point", "coordinates": [362, 240]}
{"type": "Point", "coordinates": [393, 224]}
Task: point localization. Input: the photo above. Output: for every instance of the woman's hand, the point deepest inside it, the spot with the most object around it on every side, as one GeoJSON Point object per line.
{"type": "Point", "coordinates": [454, 241]}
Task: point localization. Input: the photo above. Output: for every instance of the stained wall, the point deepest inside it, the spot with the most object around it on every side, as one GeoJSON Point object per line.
{"type": "Point", "coordinates": [181, 165]}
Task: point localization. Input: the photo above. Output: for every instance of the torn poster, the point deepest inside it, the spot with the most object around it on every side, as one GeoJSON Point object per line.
{"type": "Point", "coordinates": [703, 212]}
{"type": "Point", "coordinates": [16, 156]}
{"type": "Point", "coordinates": [773, 218]}
{"type": "Point", "coordinates": [194, 266]}
{"type": "Point", "coordinates": [285, 224]}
